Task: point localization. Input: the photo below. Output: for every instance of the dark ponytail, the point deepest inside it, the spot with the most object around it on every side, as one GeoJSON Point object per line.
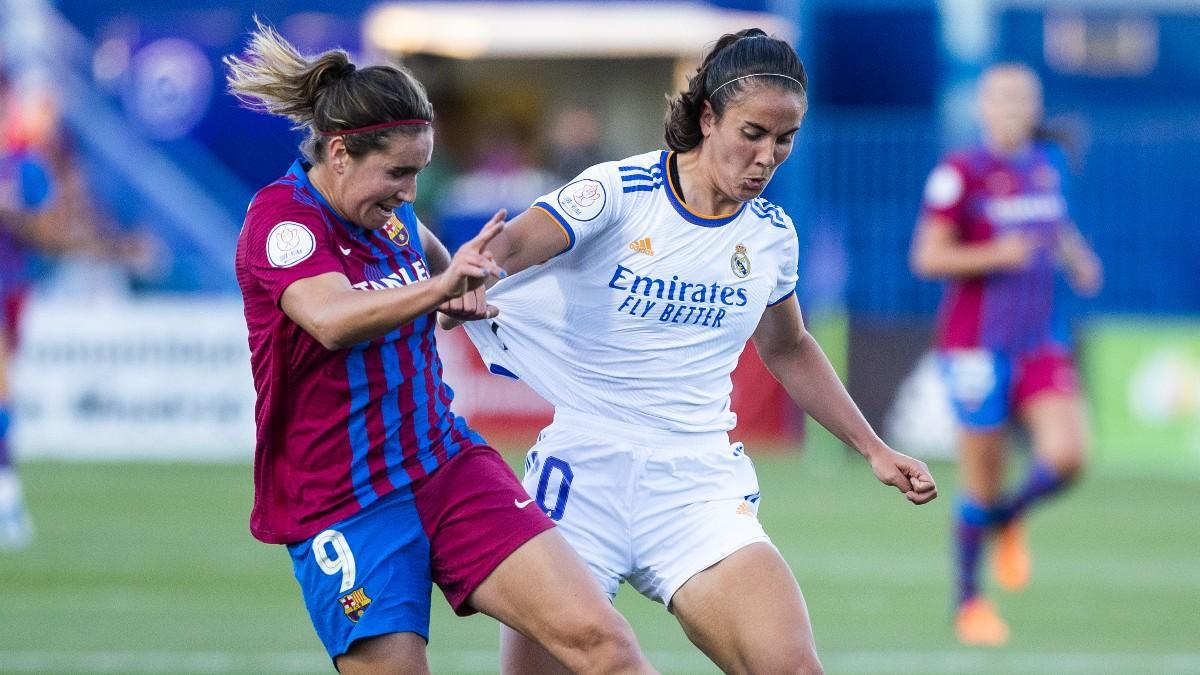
{"type": "Point", "coordinates": [325, 93]}
{"type": "Point", "coordinates": [750, 52]}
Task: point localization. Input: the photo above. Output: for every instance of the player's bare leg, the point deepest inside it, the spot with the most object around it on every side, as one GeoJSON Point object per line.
{"type": "Point", "coordinates": [16, 530]}
{"type": "Point", "coordinates": [1058, 427]}
{"type": "Point", "coordinates": [521, 656]}
{"type": "Point", "coordinates": [982, 463]}
{"type": "Point", "coordinates": [545, 592]}
{"type": "Point", "coordinates": [747, 614]}
{"type": "Point", "coordinates": [391, 654]}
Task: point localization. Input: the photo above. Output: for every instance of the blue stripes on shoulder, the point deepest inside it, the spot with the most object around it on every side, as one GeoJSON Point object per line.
{"type": "Point", "coordinates": [641, 178]}
{"type": "Point", "coordinates": [768, 211]}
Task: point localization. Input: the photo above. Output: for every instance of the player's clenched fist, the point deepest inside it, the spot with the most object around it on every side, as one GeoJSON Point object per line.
{"type": "Point", "coordinates": [908, 475]}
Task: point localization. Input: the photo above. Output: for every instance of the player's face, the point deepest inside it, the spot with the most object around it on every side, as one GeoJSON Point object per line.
{"type": "Point", "coordinates": [1010, 106]}
{"type": "Point", "coordinates": [751, 139]}
{"type": "Point", "coordinates": [374, 184]}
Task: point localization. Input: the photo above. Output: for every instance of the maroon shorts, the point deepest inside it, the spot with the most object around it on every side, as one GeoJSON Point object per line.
{"type": "Point", "coordinates": [1046, 370]}
{"type": "Point", "coordinates": [472, 514]}
{"type": "Point", "coordinates": [10, 321]}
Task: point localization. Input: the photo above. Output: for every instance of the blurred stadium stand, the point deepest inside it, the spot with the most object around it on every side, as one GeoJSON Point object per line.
{"type": "Point", "coordinates": [143, 88]}
{"type": "Point", "coordinates": [874, 132]}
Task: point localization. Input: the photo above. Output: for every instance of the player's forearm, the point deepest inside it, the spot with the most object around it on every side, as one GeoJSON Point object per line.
{"type": "Point", "coordinates": [809, 378]}
{"type": "Point", "coordinates": [1074, 250]}
{"type": "Point", "coordinates": [356, 316]}
{"type": "Point", "coordinates": [530, 239]}
{"type": "Point", "coordinates": [959, 260]}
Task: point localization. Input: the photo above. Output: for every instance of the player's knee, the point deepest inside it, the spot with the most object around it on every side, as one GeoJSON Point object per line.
{"type": "Point", "coordinates": [1073, 466]}
{"type": "Point", "coordinates": [601, 645]}
{"type": "Point", "coordinates": [1069, 459]}
{"type": "Point", "coordinates": [798, 659]}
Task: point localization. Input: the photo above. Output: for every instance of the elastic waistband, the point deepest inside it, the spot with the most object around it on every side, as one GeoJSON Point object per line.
{"type": "Point", "coordinates": [639, 434]}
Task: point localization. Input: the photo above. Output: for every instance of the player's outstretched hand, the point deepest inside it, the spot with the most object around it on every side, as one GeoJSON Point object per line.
{"type": "Point", "coordinates": [906, 474]}
{"type": "Point", "coordinates": [471, 265]}
{"type": "Point", "coordinates": [470, 306]}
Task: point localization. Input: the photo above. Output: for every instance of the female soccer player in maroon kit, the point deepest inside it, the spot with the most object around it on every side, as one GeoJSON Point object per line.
{"type": "Point", "coordinates": [995, 226]}
{"type": "Point", "coordinates": [376, 488]}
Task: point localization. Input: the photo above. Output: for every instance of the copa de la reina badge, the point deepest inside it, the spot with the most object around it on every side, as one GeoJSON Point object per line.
{"type": "Point", "coordinates": [289, 243]}
{"type": "Point", "coordinates": [582, 200]}
{"type": "Point", "coordinates": [943, 187]}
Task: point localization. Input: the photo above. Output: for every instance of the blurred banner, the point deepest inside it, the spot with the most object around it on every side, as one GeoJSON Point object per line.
{"type": "Point", "coordinates": [1143, 377]}
{"type": "Point", "coordinates": [158, 379]}
{"type": "Point", "coordinates": [168, 379]}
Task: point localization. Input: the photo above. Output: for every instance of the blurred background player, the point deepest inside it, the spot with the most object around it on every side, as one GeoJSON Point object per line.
{"type": "Point", "coordinates": [25, 187]}
{"type": "Point", "coordinates": [636, 357]}
{"type": "Point", "coordinates": [47, 210]}
{"type": "Point", "coordinates": [995, 226]}
{"type": "Point", "coordinates": [376, 488]}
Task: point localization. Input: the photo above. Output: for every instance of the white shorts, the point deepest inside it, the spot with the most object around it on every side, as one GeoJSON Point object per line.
{"type": "Point", "coordinates": [646, 506]}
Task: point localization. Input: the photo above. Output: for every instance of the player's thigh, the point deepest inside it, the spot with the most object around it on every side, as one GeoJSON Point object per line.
{"type": "Point", "coordinates": [545, 592]}
{"type": "Point", "coordinates": [748, 615]}
{"type": "Point", "coordinates": [5, 357]}
{"type": "Point", "coordinates": [476, 515]}
{"type": "Point", "coordinates": [368, 576]}
{"type": "Point", "coordinates": [398, 653]}
{"type": "Point", "coordinates": [576, 478]}
{"type": "Point", "coordinates": [493, 551]}
{"type": "Point", "coordinates": [1047, 392]}
{"type": "Point", "coordinates": [521, 656]}
{"type": "Point", "coordinates": [1057, 425]}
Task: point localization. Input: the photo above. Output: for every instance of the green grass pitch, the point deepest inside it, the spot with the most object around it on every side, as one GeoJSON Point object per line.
{"type": "Point", "coordinates": [149, 568]}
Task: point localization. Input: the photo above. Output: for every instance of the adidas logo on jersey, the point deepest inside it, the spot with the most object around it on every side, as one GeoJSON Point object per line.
{"type": "Point", "coordinates": [642, 246]}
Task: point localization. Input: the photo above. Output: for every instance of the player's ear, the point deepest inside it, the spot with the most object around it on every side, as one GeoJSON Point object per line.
{"type": "Point", "coordinates": [337, 154]}
{"type": "Point", "coordinates": [708, 119]}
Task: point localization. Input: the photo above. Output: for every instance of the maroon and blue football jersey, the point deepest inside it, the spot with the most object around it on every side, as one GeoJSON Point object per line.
{"type": "Point", "coordinates": [985, 196]}
{"type": "Point", "coordinates": [336, 429]}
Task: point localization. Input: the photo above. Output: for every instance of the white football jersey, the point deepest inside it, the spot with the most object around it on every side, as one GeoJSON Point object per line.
{"type": "Point", "coordinates": [642, 319]}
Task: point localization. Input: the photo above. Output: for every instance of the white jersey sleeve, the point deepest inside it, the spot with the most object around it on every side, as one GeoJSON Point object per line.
{"type": "Point", "coordinates": [586, 205]}
{"type": "Point", "coordinates": [789, 262]}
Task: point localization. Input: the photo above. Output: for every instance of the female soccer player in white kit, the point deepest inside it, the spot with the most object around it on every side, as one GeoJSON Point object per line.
{"type": "Point", "coordinates": [627, 306]}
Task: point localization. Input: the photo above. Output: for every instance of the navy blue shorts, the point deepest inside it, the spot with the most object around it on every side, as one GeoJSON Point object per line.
{"type": "Point", "coordinates": [372, 573]}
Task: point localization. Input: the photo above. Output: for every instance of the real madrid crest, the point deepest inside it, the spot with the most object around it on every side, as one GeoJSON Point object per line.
{"type": "Point", "coordinates": [740, 262]}
{"type": "Point", "coordinates": [396, 231]}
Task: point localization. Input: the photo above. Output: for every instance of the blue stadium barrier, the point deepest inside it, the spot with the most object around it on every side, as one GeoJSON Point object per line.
{"type": "Point", "coordinates": [1133, 194]}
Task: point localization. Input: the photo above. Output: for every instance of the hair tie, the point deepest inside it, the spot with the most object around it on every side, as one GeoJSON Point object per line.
{"type": "Point", "coordinates": [787, 77]}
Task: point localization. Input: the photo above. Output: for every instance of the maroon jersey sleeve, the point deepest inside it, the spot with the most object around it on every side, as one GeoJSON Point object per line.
{"type": "Point", "coordinates": [945, 192]}
{"type": "Point", "coordinates": [286, 242]}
